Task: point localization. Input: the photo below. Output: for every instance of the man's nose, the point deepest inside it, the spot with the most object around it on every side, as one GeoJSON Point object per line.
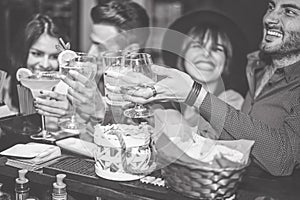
{"type": "Point", "coordinates": [272, 17]}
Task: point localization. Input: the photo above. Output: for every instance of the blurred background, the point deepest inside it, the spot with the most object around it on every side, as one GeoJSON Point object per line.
{"type": "Point", "coordinates": [75, 16]}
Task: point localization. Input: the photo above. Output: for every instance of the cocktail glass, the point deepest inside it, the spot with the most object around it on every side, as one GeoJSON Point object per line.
{"type": "Point", "coordinates": [86, 65]}
{"type": "Point", "coordinates": [45, 80]}
{"type": "Point", "coordinates": [139, 65]}
{"type": "Point", "coordinates": [113, 61]}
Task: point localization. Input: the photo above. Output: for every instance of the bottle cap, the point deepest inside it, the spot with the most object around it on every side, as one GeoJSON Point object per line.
{"type": "Point", "coordinates": [22, 179]}
{"type": "Point", "coordinates": [59, 184]}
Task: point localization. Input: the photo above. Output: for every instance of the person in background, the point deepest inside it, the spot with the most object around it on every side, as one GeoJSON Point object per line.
{"type": "Point", "coordinates": [208, 51]}
{"type": "Point", "coordinates": [117, 25]}
{"type": "Point", "coordinates": [270, 114]}
{"type": "Point", "coordinates": [36, 49]}
{"type": "Point", "coordinates": [40, 53]}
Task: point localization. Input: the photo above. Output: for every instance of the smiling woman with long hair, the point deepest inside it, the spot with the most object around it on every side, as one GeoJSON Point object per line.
{"type": "Point", "coordinates": [34, 48]}
{"type": "Point", "coordinates": [207, 52]}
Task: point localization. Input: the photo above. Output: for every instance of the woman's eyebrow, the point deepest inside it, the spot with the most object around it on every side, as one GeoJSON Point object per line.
{"type": "Point", "coordinates": [35, 49]}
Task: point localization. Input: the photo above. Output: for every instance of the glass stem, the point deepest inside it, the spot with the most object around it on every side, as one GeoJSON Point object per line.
{"type": "Point", "coordinates": [44, 131]}
{"type": "Point", "coordinates": [43, 123]}
{"type": "Point", "coordinates": [73, 118]}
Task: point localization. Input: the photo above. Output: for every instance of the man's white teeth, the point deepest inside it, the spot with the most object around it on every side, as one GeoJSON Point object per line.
{"type": "Point", "coordinates": [273, 33]}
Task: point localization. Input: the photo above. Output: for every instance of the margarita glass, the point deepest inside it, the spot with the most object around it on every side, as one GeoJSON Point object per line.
{"type": "Point", "coordinates": [45, 80]}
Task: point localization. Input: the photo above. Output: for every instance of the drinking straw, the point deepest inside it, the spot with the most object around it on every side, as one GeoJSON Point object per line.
{"type": "Point", "coordinates": [63, 44]}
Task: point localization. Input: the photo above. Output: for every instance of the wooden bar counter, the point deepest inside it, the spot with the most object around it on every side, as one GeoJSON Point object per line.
{"type": "Point", "coordinates": [256, 185]}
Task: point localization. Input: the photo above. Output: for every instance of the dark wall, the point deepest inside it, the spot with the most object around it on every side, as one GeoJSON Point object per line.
{"type": "Point", "coordinates": [248, 14]}
{"type": "Point", "coordinates": [14, 14]}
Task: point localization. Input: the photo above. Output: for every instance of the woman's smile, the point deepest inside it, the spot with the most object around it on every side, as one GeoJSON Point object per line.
{"type": "Point", "coordinates": [204, 65]}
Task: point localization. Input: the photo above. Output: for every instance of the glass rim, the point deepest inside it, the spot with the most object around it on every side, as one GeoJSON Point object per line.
{"type": "Point", "coordinates": [34, 72]}
{"type": "Point", "coordinates": [137, 53]}
{"type": "Point", "coordinates": [41, 74]}
{"type": "Point", "coordinates": [83, 55]}
{"type": "Point", "coordinates": [114, 53]}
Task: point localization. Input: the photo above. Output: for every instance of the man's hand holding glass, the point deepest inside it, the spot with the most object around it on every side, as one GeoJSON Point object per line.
{"type": "Point", "coordinates": [174, 85]}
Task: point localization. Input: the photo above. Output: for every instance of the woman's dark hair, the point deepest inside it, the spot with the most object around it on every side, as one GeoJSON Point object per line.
{"type": "Point", "coordinates": [30, 33]}
{"type": "Point", "coordinates": [38, 25]}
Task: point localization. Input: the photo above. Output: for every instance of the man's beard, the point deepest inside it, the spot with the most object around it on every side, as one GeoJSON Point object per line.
{"type": "Point", "coordinates": [288, 48]}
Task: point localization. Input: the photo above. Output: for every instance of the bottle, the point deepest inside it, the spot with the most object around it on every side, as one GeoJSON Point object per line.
{"type": "Point", "coordinates": [59, 191]}
{"type": "Point", "coordinates": [3, 195]}
{"type": "Point", "coordinates": [22, 185]}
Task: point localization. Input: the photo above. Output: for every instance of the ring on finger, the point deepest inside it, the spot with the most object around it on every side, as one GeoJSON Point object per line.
{"type": "Point", "coordinates": [153, 90]}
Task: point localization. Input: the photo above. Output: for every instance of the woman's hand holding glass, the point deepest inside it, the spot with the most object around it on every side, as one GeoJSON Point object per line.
{"type": "Point", "coordinates": [174, 86]}
{"type": "Point", "coordinates": [53, 104]}
{"type": "Point", "coordinates": [83, 92]}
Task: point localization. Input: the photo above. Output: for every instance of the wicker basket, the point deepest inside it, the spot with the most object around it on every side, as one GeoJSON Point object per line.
{"type": "Point", "coordinates": [202, 182]}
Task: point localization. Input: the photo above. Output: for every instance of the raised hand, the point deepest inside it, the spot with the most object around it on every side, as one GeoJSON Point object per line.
{"type": "Point", "coordinates": [85, 94]}
{"type": "Point", "coordinates": [174, 86]}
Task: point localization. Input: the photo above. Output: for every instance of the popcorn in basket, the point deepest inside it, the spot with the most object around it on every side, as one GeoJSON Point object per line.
{"type": "Point", "coordinates": [124, 152]}
{"type": "Point", "coordinates": [199, 167]}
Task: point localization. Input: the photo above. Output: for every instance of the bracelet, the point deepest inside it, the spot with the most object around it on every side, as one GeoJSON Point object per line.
{"type": "Point", "coordinates": [194, 93]}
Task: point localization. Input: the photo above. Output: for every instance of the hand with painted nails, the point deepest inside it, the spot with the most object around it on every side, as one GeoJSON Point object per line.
{"type": "Point", "coordinates": [174, 86]}
{"type": "Point", "coordinates": [85, 94]}
{"type": "Point", "coordinates": [52, 104]}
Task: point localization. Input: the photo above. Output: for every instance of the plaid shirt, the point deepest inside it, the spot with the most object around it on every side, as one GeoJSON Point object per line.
{"type": "Point", "coordinates": [272, 119]}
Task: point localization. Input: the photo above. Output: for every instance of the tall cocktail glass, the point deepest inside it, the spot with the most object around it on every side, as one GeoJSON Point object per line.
{"type": "Point", "coordinates": [86, 65]}
{"type": "Point", "coordinates": [41, 81]}
{"type": "Point", "coordinates": [114, 61]}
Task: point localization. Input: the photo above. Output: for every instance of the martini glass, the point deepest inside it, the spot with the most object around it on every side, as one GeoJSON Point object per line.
{"type": "Point", "coordinates": [86, 65]}
{"type": "Point", "coordinates": [45, 80]}
{"type": "Point", "coordinates": [139, 65]}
